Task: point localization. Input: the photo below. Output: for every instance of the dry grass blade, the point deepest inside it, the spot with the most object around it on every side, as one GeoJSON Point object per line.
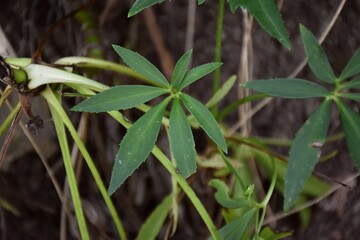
{"type": "Point", "coordinates": [167, 62]}
{"type": "Point", "coordinates": [190, 29]}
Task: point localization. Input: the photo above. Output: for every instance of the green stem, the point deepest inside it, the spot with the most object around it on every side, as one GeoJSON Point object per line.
{"type": "Point", "coordinates": [189, 192]}
{"type": "Point", "coordinates": [266, 200]}
{"type": "Point", "coordinates": [5, 94]}
{"type": "Point", "coordinates": [51, 99]}
{"type": "Point", "coordinates": [234, 105]}
{"type": "Point", "coordinates": [218, 44]}
{"type": "Point", "coordinates": [60, 131]}
{"type": "Point", "coordinates": [7, 122]}
{"type": "Point", "coordinates": [101, 64]}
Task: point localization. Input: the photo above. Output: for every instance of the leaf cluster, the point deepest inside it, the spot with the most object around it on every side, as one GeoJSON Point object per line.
{"type": "Point", "coordinates": [141, 137]}
{"type": "Point", "coordinates": [306, 147]}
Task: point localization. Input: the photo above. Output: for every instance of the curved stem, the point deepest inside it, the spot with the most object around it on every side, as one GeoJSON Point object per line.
{"type": "Point", "coordinates": [87, 62]}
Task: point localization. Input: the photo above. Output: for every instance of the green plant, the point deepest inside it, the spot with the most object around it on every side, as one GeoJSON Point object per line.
{"type": "Point", "coordinates": [34, 76]}
{"type": "Point", "coordinates": [237, 227]}
{"type": "Point", "coordinates": [243, 212]}
{"type": "Point", "coordinates": [145, 130]}
{"type": "Point", "coordinates": [306, 147]}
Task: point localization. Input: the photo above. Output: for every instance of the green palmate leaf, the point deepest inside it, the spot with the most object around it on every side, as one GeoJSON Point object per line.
{"type": "Point", "coordinates": [119, 97]}
{"type": "Point", "coordinates": [287, 88]}
{"type": "Point", "coordinates": [352, 96]}
{"type": "Point", "coordinates": [137, 145]}
{"type": "Point", "coordinates": [236, 228]}
{"type": "Point", "coordinates": [180, 69]}
{"type": "Point", "coordinates": [141, 65]}
{"type": "Point", "coordinates": [316, 57]}
{"type": "Point", "coordinates": [351, 125]}
{"type": "Point", "coordinates": [353, 66]}
{"type": "Point", "coordinates": [151, 228]}
{"type": "Point", "coordinates": [205, 119]}
{"type": "Point", "coordinates": [222, 92]}
{"type": "Point", "coordinates": [222, 195]}
{"type": "Point", "coordinates": [267, 15]}
{"type": "Point", "coordinates": [181, 140]}
{"type": "Point", "coordinates": [140, 5]}
{"type": "Point", "coordinates": [198, 72]}
{"type": "Point", "coordinates": [305, 151]}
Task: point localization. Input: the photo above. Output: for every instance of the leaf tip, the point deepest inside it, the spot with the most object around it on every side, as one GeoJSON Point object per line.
{"type": "Point", "coordinates": [112, 188]}
{"type": "Point", "coordinates": [286, 43]}
{"type": "Point", "coordinates": [77, 108]}
{"type": "Point", "coordinates": [225, 149]}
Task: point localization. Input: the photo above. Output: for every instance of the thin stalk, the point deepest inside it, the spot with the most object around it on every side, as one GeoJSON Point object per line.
{"type": "Point", "coordinates": [87, 62]}
{"type": "Point", "coordinates": [10, 117]}
{"type": "Point", "coordinates": [234, 105]}
{"type": "Point", "coordinates": [51, 99]}
{"type": "Point", "coordinates": [9, 136]}
{"type": "Point", "coordinates": [5, 94]}
{"type": "Point", "coordinates": [266, 200]}
{"type": "Point", "coordinates": [218, 44]}
{"type": "Point", "coordinates": [61, 134]}
{"type": "Point", "coordinates": [189, 192]}
{"type": "Point", "coordinates": [175, 191]}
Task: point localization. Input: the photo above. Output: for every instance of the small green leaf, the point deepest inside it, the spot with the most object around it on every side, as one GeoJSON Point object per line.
{"type": "Point", "coordinates": [196, 73]}
{"type": "Point", "coordinates": [222, 92]}
{"type": "Point", "coordinates": [316, 57]}
{"type": "Point", "coordinates": [137, 145]}
{"type": "Point", "coordinates": [222, 195]}
{"type": "Point", "coordinates": [236, 228]}
{"type": "Point", "coordinates": [180, 69]}
{"type": "Point", "coordinates": [205, 119]}
{"type": "Point", "coordinates": [141, 65]}
{"type": "Point", "coordinates": [153, 224]}
{"type": "Point", "coordinates": [305, 151]}
{"type": "Point", "coordinates": [119, 97]}
{"type": "Point", "coordinates": [355, 83]}
{"type": "Point", "coordinates": [287, 88]}
{"type": "Point", "coordinates": [181, 140]}
{"type": "Point", "coordinates": [353, 66]}
{"type": "Point", "coordinates": [267, 15]}
{"type": "Point", "coordinates": [351, 125]}
{"type": "Point", "coordinates": [268, 234]}
{"type": "Point", "coordinates": [140, 5]}
{"type": "Point", "coordinates": [201, 2]}
{"type": "Point", "coordinates": [352, 96]}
